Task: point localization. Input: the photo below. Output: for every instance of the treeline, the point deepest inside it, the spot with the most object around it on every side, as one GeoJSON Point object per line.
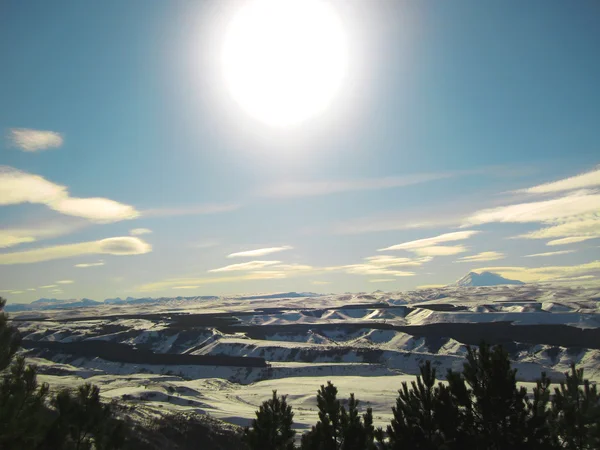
{"type": "Point", "coordinates": [31, 418]}
{"type": "Point", "coordinates": [481, 408]}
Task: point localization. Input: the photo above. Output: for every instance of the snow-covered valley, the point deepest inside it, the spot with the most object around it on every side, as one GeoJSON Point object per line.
{"type": "Point", "coordinates": [224, 356]}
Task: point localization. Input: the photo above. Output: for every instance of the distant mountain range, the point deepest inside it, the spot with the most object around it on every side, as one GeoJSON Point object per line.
{"type": "Point", "coordinates": [485, 279]}
{"type": "Point", "coordinates": [55, 303]}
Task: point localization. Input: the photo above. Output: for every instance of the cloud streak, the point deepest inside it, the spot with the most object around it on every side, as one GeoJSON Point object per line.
{"type": "Point", "coordinates": [139, 231]}
{"type": "Point", "coordinates": [210, 208]}
{"type": "Point", "coordinates": [30, 140]}
{"type": "Point", "coordinates": [432, 247]}
{"type": "Point", "coordinates": [584, 180]}
{"type": "Point", "coordinates": [86, 265]}
{"type": "Point", "coordinates": [434, 241]}
{"type": "Point", "coordinates": [574, 204]}
{"type": "Point", "coordinates": [112, 246]}
{"type": "Point", "coordinates": [534, 274]}
{"type": "Point", "coordinates": [247, 266]}
{"type": "Point", "coordinates": [18, 187]}
{"type": "Point", "coordinates": [560, 252]}
{"type": "Point", "coordinates": [294, 189]}
{"type": "Point", "coordinates": [483, 256]}
{"type": "Point", "coordinates": [259, 252]}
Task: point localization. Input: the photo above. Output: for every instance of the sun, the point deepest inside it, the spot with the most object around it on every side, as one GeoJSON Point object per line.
{"type": "Point", "coordinates": [284, 60]}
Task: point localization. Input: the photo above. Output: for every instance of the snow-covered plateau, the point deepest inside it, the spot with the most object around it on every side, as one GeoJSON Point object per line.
{"type": "Point", "coordinates": [224, 355]}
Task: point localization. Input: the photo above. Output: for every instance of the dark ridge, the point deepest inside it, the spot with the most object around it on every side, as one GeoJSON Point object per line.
{"type": "Point", "coordinates": [467, 333]}
{"type": "Point", "coordinates": [112, 351]}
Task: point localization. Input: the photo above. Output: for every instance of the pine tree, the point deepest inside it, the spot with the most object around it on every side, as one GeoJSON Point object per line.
{"type": "Point", "coordinates": [576, 409]}
{"type": "Point", "coordinates": [9, 338]}
{"type": "Point", "coordinates": [338, 428]}
{"type": "Point", "coordinates": [416, 422]}
{"type": "Point", "coordinates": [84, 422]}
{"type": "Point", "coordinates": [499, 405]}
{"type": "Point", "coordinates": [541, 433]}
{"type": "Point", "coordinates": [22, 411]}
{"type": "Point", "coordinates": [272, 428]}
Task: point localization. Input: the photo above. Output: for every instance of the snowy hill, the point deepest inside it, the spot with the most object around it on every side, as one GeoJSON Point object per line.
{"type": "Point", "coordinates": [485, 279]}
{"type": "Point", "coordinates": [225, 355]}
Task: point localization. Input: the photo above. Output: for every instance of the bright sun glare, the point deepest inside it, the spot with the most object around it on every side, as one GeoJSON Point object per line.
{"type": "Point", "coordinates": [284, 60]}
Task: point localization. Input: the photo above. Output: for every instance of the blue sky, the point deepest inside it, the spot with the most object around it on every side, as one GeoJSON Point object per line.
{"type": "Point", "coordinates": [454, 117]}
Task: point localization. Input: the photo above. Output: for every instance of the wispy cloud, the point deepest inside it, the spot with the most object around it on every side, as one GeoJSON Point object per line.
{"type": "Point", "coordinates": [259, 252]}
{"type": "Point", "coordinates": [42, 229]}
{"type": "Point", "coordinates": [139, 231]}
{"type": "Point", "coordinates": [320, 283]}
{"type": "Point", "coordinates": [393, 261]}
{"type": "Point", "coordinates": [211, 208]}
{"type": "Point", "coordinates": [382, 265]}
{"type": "Point", "coordinates": [85, 265]}
{"type": "Point", "coordinates": [291, 189]}
{"type": "Point", "coordinates": [574, 204]}
{"type": "Point", "coordinates": [382, 280]}
{"type": "Point", "coordinates": [192, 283]}
{"type": "Point", "coordinates": [65, 282]}
{"type": "Point", "coordinates": [113, 246]}
{"type": "Point", "coordinates": [483, 256]}
{"type": "Point", "coordinates": [560, 252]}
{"type": "Point", "coordinates": [12, 237]}
{"type": "Point", "coordinates": [432, 247]}
{"type": "Point", "coordinates": [584, 180]}
{"type": "Point", "coordinates": [433, 241]}
{"type": "Point", "coordinates": [34, 140]}
{"type": "Point", "coordinates": [48, 286]}
{"type": "Point", "coordinates": [247, 266]}
{"type": "Point", "coordinates": [533, 274]}
{"type": "Point", "coordinates": [20, 187]}
{"type": "Point", "coordinates": [569, 231]}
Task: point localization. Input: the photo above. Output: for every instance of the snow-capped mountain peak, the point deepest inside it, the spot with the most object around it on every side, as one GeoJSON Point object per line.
{"type": "Point", "coordinates": [484, 279]}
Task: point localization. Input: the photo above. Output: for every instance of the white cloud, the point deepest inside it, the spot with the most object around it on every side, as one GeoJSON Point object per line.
{"type": "Point", "coordinates": [569, 231]}
{"type": "Point", "coordinates": [428, 242]}
{"type": "Point", "coordinates": [10, 238]}
{"type": "Point", "coordinates": [431, 247]}
{"type": "Point", "coordinates": [584, 180]}
{"type": "Point", "coordinates": [139, 231]}
{"type": "Point", "coordinates": [319, 283]}
{"type": "Point", "coordinates": [113, 246]}
{"type": "Point", "coordinates": [16, 292]}
{"type": "Point", "coordinates": [383, 265]}
{"type": "Point", "coordinates": [393, 261]}
{"type": "Point", "coordinates": [483, 256]}
{"type": "Point", "coordinates": [570, 240]}
{"type": "Point", "coordinates": [533, 274]}
{"type": "Point", "coordinates": [85, 265]}
{"type": "Point", "coordinates": [35, 140]}
{"type": "Point", "coordinates": [20, 187]}
{"type": "Point", "coordinates": [65, 282]}
{"type": "Point", "coordinates": [574, 204]}
{"type": "Point", "coordinates": [191, 210]}
{"type": "Point", "coordinates": [440, 250]}
{"type": "Point", "coordinates": [259, 252]}
{"type": "Point", "coordinates": [247, 266]}
{"type": "Point", "coordinates": [560, 252]}
{"type": "Point", "coordinates": [290, 189]}
{"type": "Point", "coordinates": [49, 286]}
{"type": "Point", "coordinates": [190, 283]}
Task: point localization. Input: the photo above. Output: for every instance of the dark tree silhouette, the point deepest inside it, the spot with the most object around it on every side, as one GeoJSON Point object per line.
{"type": "Point", "coordinates": [272, 428]}
{"type": "Point", "coordinates": [338, 428]}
